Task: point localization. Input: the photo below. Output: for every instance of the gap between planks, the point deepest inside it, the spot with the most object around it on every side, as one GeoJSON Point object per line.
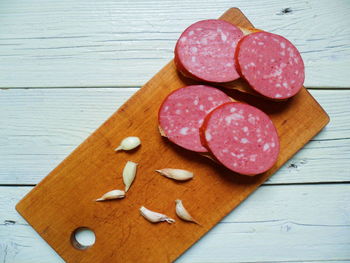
{"type": "Point", "coordinates": [263, 185]}
{"type": "Point", "coordinates": [137, 87]}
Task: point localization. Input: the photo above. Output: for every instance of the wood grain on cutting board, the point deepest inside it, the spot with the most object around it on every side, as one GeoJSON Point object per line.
{"type": "Point", "coordinates": [63, 201]}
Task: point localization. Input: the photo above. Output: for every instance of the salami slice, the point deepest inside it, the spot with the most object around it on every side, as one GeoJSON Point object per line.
{"type": "Point", "coordinates": [271, 64]}
{"type": "Point", "coordinates": [241, 137]}
{"type": "Point", "coordinates": [205, 51]}
{"type": "Point", "coordinates": [183, 111]}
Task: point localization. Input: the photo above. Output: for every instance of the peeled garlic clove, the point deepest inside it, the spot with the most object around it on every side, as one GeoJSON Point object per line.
{"type": "Point", "coordinates": [155, 217]}
{"type": "Point", "coordinates": [129, 174]}
{"type": "Point", "coordinates": [182, 212]}
{"type": "Point", "coordinates": [129, 143]}
{"type": "Point", "coordinates": [176, 174]}
{"type": "Point", "coordinates": [114, 194]}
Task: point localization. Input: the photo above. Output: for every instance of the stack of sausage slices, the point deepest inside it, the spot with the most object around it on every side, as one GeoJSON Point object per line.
{"type": "Point", "coordinates": [204, 119]}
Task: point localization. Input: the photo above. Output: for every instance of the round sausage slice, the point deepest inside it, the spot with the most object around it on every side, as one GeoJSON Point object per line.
{"type": "Point", "coordinates": [271, 65]}
{"type": "Point", "coordinates": [241, 137]}
{"type": "Point", "coordinates": [205, 51]}
{"type": "Point", "coordinates": [182, 114]}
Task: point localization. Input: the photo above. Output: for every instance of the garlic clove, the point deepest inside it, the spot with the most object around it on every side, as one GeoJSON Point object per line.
{"type": "Point", "coordinates": [176, 174]}
{"type": "Point", "coordinates": [114, 194]}
{"type": "Point", "coordinates": [129, 143]}
{"type": "Point", "coordinates": [182, 212]}
{"type": "Point", "coordinates": [129, 174]}
{"type": "Point", "coordinates": [155, 217]}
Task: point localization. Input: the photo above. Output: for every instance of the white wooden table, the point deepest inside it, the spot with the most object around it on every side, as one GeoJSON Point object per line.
{"type": "Point", "coordinates": [66, 65]}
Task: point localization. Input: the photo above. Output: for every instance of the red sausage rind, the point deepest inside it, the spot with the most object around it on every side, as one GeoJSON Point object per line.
{"type": "Point", "coordinates": [271, 65]}
{"type": "Point", "coordinates": [183, 111]}
{"type": "Point", "coordinates": [241, 137]}
{"type": "Point", "coordinates": [205, 51]}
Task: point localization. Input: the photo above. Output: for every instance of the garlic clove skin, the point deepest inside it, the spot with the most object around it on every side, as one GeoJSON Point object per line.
{"type": "Point", "coordinates": [128, 143]}
{"type": "Point", "coordinates": [155, 217]}
{"type": "Point", "coordinates": [182, 212]}
{"type": "Point", "coordinates": [176, 174]}
{"type": "Point", "coordinates": [114, 194]}
{"type": "Point", "coordinates": [129, 174]}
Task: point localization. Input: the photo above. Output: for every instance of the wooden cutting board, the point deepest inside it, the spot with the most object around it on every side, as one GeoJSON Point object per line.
{"type": "Point", "coordinates": [63, 201]}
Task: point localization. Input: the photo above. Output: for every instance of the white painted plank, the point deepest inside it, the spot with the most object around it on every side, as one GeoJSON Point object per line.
{"type": "Point", "coordinates": [40, 127]}
{"type": "Point", "coordinates": [276, 223]}
{"type": "Point", "coordinates": [108, 43]}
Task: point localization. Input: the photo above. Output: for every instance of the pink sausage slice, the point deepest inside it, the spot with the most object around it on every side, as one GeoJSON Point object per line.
{"type": "Point", "coordinates": [205, 51]}
{"type": "Point", "coordinates": [182, 114]}
{"type": "Point", "coordinates": [271, 64]}
{"type": "Point", "coordinates": [241, 137]}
